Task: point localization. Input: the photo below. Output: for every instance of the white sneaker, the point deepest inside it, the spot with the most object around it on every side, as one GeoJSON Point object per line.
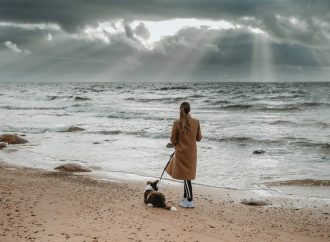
{"type": "Point", "coordinates": [190, 204]}
{"type": "Point", "coordinates": [186, 204]}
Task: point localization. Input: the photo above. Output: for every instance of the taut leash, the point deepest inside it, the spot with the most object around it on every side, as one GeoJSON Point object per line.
{"type": "Point", "coordinates": [171, 156]}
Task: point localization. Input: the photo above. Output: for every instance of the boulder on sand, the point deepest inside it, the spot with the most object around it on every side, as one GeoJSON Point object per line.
{"type": "Point", "coordinates": [2, 145]}
{"type": "Point", "coordinates": [259, 152]}
{"type": "Point", "coordinates": [74, 129]}
{"type": "Point", "coordinates": [12, 139]}
{"type": "Point", "coordinates": [72, 167]}
{"type": "Point", "coordinates": [254, 202]}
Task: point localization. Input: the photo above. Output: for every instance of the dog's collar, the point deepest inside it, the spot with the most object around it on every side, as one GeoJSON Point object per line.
{"type": "Point", "coordinates": [149, 188]}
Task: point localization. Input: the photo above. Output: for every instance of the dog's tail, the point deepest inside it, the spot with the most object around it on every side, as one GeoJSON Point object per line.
{"type": "Point", "coordinates": [171, 208]}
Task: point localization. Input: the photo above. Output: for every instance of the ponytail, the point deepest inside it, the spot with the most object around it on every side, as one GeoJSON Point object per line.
{"type": "Point", "coordinates": [184, 117]}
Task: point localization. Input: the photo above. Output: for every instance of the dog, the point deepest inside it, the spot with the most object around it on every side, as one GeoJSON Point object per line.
{"type": "Point", "coordinates": [154, 198]}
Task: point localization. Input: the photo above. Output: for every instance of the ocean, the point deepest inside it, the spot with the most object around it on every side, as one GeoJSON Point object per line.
{"type": "Point", "coordinates": [122, 129]}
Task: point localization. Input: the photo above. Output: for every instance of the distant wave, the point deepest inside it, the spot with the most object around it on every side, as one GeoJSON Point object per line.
{"type": "Point", "coordinates": [280, 109]}
{"type": "Point", "coordinates": [241, 139]}
{"type": "Point", "coordinates": [31, 108]}
{"type": "Point", "coordinates": [196, 96]}
{"type": "Point", "coordinates": [217, 102]}
{"type": "Point", "coordinates": [298, 92]}
{"type": "Point", "coordinates": [163, 100]}
{"type": "Point", "coordinates": [323, 147]}
{"type": "Point", "coordinates": [284, 122]}
{"type": "Point", "coordinates": [226, 105]}
{"type": "Point", "coordinates": [322, 124]}
{"type": "Point", "coordinates": [236, 139]}
{"type": "Point", "coordinates": [289, 96]}
{"type": "Point", "coordinates": [33, 130]}
{"type": "Point", "coordinates": [78, 98]}
{"type": "Point", "coordinates": [139, 133]}
{"type": "Point", "coordinates": [302, 182]}
{"type": "Point", "coordinates": [73, 129]}
{"type": "Point", "coordinates": [54, 97]}
{"type": "Point", "coordinates": [303, 142]}
{"type": "Point", "coordinates": [77, 105]}
{"type": "Point", "coordinates": [109, 132]}
{"type": "Point", "coordinates": [137, 116]}
{"type": "Point", "coordinates": [313, 104]}
{"type": "Point", "coordinates": [30, 130]}
{"type": "Point", "coordinates": [120, 116]}
{"type": "Point", "coordinates": [301, 106]}
{"type": "Point", "coordinates": [95, 89]}
{"type": "Point", "coordinates": [237, 106]}
{"type": "Point", "coordinates": [173, 88]}
{"type": "Point", "coordinates": [144, 133]}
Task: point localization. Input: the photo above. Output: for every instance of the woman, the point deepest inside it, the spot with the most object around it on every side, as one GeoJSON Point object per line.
{"type": "Point", "coordinates": [185, 132]}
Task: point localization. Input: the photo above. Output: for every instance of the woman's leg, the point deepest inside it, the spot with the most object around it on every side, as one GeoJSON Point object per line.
{"type": "Point", "coordinates": [188, 190]}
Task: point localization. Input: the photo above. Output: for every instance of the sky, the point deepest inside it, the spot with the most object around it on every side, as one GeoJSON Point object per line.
{"type": "Point", "coordinates": [164, 40]}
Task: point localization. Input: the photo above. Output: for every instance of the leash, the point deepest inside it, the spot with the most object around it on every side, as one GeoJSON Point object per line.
{"type": "Point", "coordinates": [171, 156]}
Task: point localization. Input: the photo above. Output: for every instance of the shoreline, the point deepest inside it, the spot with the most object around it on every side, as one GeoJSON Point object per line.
{"type": "Point", "coordinates": [237, 193]}
{"type": "Point", "coordinates": [261, 192]}
{"type": "Point", "coordinates": [41, 205]}
{"type": "Point", "coordinates": [273, 188]}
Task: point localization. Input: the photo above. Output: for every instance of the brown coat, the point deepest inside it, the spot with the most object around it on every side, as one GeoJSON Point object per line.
{"type": "Point", "coordinates": [183, 164]}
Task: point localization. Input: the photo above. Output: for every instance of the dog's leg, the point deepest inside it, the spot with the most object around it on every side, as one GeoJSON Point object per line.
{"type": "Point", "coordinates": [150, 205]}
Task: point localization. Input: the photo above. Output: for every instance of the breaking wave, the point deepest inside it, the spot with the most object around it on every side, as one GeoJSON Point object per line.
{"type": "Point", "coordinates": [143, 116]}
{"type": "Point", "coordinates": [282, 122]}
{"type": "Point", "coordinates": [227, 105]}
{"type": "Point", "coordinates": [31, 108]}
{"type": "Point", "coordinates": [173, 88]}
{"type": "Point", "coordinates": [162, 100]}
{"type": "Point", "coordinates": [301, 182]}
{"type": "Point", "coordinates": [140, 133]}
{"type": "Point", "coordinates": [78, 98]}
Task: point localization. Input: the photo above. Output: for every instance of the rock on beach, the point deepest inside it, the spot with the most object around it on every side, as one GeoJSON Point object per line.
{"type": "Point", "coordinates": [259, 152]}
{"type": "Point", "coordinates": [74, 129]}
{"type": "Point", "coordinates": [254, 202]}
{"type": "Point", "coordinates": [2, 145]}
{"type": "Point", "coordinates": [72, 167]}
{"type": "Point", "coordinates": [12, 139]}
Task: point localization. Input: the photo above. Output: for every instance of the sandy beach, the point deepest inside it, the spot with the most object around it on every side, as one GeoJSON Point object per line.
{"type": "Point", "coordinates": [39, 205]}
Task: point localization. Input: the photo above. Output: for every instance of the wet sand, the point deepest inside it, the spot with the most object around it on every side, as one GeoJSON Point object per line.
{"type": "Point", "coordinates": [38, 205]}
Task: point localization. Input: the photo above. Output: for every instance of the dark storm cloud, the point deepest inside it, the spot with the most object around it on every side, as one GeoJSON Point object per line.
{"type": "Point", "coordinates": [270, 15]}
{"type": "Point", "coordinates": [71, 14]}
{"type": "Point", "coordinates": [299, 32]}
{"type": "Point", "coordinates": [191, 54]}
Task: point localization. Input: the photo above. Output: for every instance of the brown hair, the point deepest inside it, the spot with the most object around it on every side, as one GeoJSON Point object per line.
{"type": "Point", "coordinates": [184, 117]}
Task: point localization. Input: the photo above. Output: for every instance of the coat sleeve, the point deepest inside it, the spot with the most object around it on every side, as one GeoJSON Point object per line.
{"type": "Point", "coordinates": [199, 133]}
{"type": "Point", "coordinates": [174, 135]}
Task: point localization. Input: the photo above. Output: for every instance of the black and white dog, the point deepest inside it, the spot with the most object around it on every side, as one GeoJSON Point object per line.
{"type": "Point", "coordinates": [154, 198]}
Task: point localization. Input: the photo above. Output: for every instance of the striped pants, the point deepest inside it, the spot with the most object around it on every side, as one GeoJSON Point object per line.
{"type": "Point", "coordinates": [188, 190]}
